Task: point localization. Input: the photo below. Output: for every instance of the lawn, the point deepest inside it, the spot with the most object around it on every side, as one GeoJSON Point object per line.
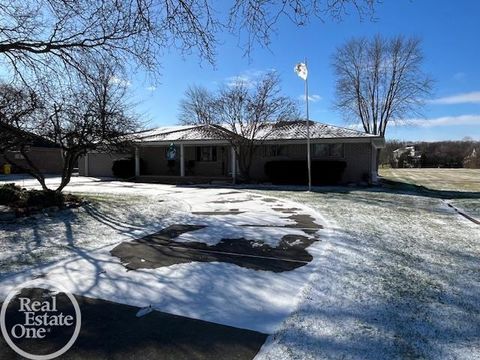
{"type": "Point", "coordinates": [399, 280]}
{"type": "Point", "coordinates": [467, 180]}
{"type": "Point", "coordinates": [459, 187]}
{"type": "Point", "coordinates": [394, 273]}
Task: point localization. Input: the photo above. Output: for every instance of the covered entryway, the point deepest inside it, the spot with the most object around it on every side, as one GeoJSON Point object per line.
{"type": "Point", "coordinates": [192, 162]}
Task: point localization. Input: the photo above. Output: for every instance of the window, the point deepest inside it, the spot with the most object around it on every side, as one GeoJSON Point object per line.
{"type": "Point", "coordinates": [320, 150]}
{"type": "Point", "coordinates": [206, 153]}
{"type": "Point", "coordinates": [274, 150]}
{"type": "Point", "coordinates": [328, 150]}
{"type": "Point", "coordinates": [336, 150]}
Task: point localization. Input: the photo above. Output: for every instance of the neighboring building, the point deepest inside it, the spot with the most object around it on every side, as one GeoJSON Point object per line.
{"type": "Point", "coordinates": [44, 154]}
{"type": "Point", "coordinates": [407, 157]}
{"type": "Point", "coordinates": [205, 151]}
{"type": "Point", "coordinates": [472, 161]}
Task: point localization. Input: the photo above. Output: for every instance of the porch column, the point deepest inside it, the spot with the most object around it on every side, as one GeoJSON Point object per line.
{"type": "Point", "coordinates": [86, 165]}
{"type": "Point", "coordinates": [137, 161]}
{"type": "Point", "coordinates": [182, 161]}
{"type": "Point", "coordinates": [373, 165]}
{"type": "Point", "coordinates": [234, 165]}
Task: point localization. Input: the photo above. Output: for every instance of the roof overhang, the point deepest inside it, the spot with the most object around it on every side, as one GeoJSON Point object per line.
{"type": "Point", "coordinates": [377, 142]}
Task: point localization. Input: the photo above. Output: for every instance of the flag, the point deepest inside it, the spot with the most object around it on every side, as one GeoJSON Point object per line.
{"type": "Point", "coordinates": [301, 70]}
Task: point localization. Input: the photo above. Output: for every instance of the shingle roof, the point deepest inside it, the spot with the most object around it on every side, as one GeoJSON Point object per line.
{"type": "Point", "coordinates": [292, 130]}
{"type": "Point", "coordinates": [183, 133]}
{"type": "Point", "coordinates": [11, 135]}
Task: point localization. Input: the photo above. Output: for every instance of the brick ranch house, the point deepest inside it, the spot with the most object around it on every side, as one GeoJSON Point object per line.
{"type": "Point", "coordinates": [183, 154]}
{"type": "Point", "coordinates": [45, 154]}
{"type": "Point", "coordinates": [197, 153]}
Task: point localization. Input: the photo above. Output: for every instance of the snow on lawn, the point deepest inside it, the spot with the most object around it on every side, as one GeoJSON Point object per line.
{"type": "Point", "coordinates": [399, 279]}
{"type": "Point", "coordinates": [469, 206]}
{"type": "Point", "coordinates": [73, 248]}
{"type": "Point", "coordinates": [104, 221]}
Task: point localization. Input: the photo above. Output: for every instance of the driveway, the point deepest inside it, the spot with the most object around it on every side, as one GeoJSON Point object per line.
{"type": "Point", "coordinates": [221, 256]}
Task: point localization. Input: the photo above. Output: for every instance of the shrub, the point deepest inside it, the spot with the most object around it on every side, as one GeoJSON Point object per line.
{"type": "Point", "coordinates": [44, 198]}
{"type": "Point", "coordinates": [294, 172]}
{"type": "Point", "coordinates": [124, 168]}
{"type": "Point", "coordinates": [10, 194]}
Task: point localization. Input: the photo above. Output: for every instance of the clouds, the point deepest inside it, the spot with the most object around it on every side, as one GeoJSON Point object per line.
{"type": "Point", "coordinates": [460, 120]}
{"type": "Point", "coordinates": [312, 98]}
{"type": "Point", "coordinates": [249, 78]}
{"type": "Point", "coordinates": [463, 98]}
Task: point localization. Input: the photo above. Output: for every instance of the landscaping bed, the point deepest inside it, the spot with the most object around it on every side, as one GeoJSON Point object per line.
{"type": "Point", "coordinates": [16, 201]}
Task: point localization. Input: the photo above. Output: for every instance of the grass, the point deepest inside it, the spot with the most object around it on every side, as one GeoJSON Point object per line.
{"type": "Point", "coordinates": [403, 280]}
{"type": "Point", "coordinates": [467, 180]}
{"type": "Point", "coordinates": [103, 220]}
{"type": "Point", "coordinates": [460, 187]}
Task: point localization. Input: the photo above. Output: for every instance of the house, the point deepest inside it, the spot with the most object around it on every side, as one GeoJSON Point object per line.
{"type": "Point", "coordinates": [204, 152]}
{"type": "Point", "coordinates": [406, 157]}
{"type": "Point", "coordinates": [43, 153]}
{"type": "Point", "coordinates": [472, 160]}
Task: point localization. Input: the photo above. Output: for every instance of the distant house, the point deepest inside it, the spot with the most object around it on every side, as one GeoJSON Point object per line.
{"type": "Point", "coordinates": [183, 153]}
{"type": "Point", "coordinates": [472, 160]}
{"type": "Point", "coordinates": [44, 154]}
{"type": "Point", "coordinates": [407, 157]}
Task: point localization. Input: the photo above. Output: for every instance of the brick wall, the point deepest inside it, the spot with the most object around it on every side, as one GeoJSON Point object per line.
{"type": "Point", "coordinates": [47, 160]}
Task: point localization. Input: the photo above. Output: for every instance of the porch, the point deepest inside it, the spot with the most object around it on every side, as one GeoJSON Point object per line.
{"type": "Point", "coordinates": [184, 180]}
{"type": "Point", "coordinates": [185, 163]}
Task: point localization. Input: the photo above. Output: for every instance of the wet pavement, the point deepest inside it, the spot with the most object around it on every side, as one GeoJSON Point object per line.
{"type": "Point", "coordinates": [161, 249]}
{"type": "Point", "coordinates": [110, 330]}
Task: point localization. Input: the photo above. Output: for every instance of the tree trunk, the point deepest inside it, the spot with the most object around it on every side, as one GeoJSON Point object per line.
{"type": "Point", "coordinates": [67, 170]}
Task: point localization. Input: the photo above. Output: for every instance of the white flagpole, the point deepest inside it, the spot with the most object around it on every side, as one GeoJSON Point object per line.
{"type": "Point", "coordinates": [309, 163]}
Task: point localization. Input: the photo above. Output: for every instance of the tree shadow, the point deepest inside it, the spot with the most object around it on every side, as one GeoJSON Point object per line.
{"type": "Point", "coordinates": [385, 186]}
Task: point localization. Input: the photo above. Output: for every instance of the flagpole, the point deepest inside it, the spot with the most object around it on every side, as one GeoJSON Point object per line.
{"type": "Point", "coordinates": [309, 163]}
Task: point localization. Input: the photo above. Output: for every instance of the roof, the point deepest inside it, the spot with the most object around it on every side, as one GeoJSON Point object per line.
{"type": "Point", "coordinates": [292, 130]}
{"type": "Point", "coordinates": [13, 136]}
{"type": "Point", "coordinates": [183, 133]}
{"type": "Point", "coordinates": [285, 130]}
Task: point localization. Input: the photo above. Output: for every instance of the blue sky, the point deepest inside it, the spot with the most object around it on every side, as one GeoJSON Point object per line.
{"type": "Point", "coordinates": [450, 33]}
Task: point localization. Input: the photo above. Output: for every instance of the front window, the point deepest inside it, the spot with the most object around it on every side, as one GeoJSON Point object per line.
{"type": "Point", "coordinates": [336, 150]}
{"type": "Point", "coordinates": [206, 153]}
{"type": "Point", "coordinates": [274, 150]}
{"type": "Point", "coordinates": [328, 150]}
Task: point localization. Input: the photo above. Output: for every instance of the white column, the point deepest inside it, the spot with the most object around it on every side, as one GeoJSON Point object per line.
{"type": "Point", "coordinates": [234, 164]}
{"type": "Point", "coordinates": [182, 161]}
{"type": "Point", "coordinates": [373, 165]}
{"type": "Point", "coordinates": [137, 161]}
{"type": "Point", "coordinates": [86, 165]}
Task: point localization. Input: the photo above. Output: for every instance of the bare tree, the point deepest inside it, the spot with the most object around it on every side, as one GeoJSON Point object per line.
{"type": "Point", "coordinates": [91, 116]}
{"type": "Point", "coordinates": [46, 40]}
{"type": "Point", "coordinates": [197, 106]}
{"type": "Point", "coordinates": [19, 110]}
{"type": "Point", "coordinates": [248, 112]}
{"type": "Point", "coordinates": [254, 21]}
{"type": "Point", "coordinates": [17, 106]}
{"type": "Point", "coordinates": [95, 117]}
{"type": "Point", "coordinates": [380, 80]}
{"type": "Point", "coordinates": [43, 37]}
